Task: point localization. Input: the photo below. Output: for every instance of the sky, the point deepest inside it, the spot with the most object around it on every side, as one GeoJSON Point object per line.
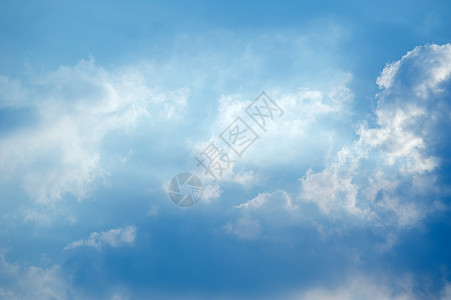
{"type": "Point", "coordinates": [343, 192]}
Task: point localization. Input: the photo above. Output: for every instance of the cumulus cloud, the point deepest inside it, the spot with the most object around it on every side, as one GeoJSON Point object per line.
{"type": "Point", "coordinates": [332, 188]}
{"type": "Point", "coordinates": [388, 171]}
{"type": "Point", "coordinates": [386, 178]}
{"type": "Point", "coordinates": [113, 238]}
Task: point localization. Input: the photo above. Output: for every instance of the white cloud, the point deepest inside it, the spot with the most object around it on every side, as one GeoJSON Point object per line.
{"type": "Point", "coordinates": [244, 228]}
{"type": "Point", "coordinates": [329, 189]}
{"type": "Point", "coordinates": [386, 79]}
{"type": "Point", "coordinates": [446, 293]}
{"type": "Point", "coordinates": [246, 178]}
{"type": "Point", "coordinates": [120, 294]}
{"type": "Point", "coordinates": [113, 238]}
{"type": "Point", "coordinates": [153, 210]}
{"type": "Point", "coordinates": [75, 108]}
{"type": "Point", "coordinates": [33, 282]}
{"type": "Point", "coordinates": [11, 93]}
{"type": "Point", "coordinates": [288, 138]}
{"type": "Point", "coordinates": [384, 179]}
{"type": "Point", "coordinates": [365, 178]}
{"type": "Point", "coordinates": [211, 192]}
{"type": "Point", "coordinates": [276, 210]}
{"type": "Point", "coordinates": [362, 287]}
{"type": "Point", "coordinates": [420, 73]}
{"type": "Point", "coordinates": [279, 200]}
{"type": "Point", "coordinates": [126, 157]}
{"type": "Point", "coordinates": [398, 139]}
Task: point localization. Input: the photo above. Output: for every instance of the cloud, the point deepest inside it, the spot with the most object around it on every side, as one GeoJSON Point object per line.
{"type": "Point", "coordinates": [73, 109]}
{"type": "Point", "coordinates": [272, 211]}
{"type": "Point", "coordinates": [246, 178]}
{"type": "Point", "coordinates": [287, 138]}
{"type": "Point", "coordinates": [446, 293]}
{"type": "Point", "coordinates": [153, 210]}
{"type": "Point", "coordinates": [387, 172]}
{"type": "Point", "coordinates": [329, 189]}
{"type": "Point", "coordinates": [244, 228]}
{"type": "Point", "coordinates": [363, 287]}
{"type": "Point", "coordinates": [386, 179]}
{"type": "Point", "coordinates": [126, 157]}
{"type": "Point", "coordinates": [12, 94]}
{"type": "Point", "coordinates": [113, 238]}
{"type": "Point", "coordinates": [279, 200]}
{"type": "Point", "coordinates": [211, 193]}
{"type": "Point", "coordinates": [33, 282]}
{"type": "Point", "coordinates": [58, 152]}
{"type": "Point", "coordinates": [52, 282]}
{"type": "Point", "coordinates": [421, 73]}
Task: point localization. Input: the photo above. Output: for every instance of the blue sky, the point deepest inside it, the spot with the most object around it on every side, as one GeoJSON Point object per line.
{"type": "Point", "coordinates": [344, 196]}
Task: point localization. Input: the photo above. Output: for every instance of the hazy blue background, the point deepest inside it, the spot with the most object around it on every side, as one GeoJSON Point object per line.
{"type": "Point", "coordinates": [345, 196]}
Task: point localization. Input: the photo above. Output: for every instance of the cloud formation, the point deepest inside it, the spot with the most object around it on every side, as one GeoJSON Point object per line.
{"type": "Point", "coordinates": [73, 109]}
{"type": "Point", "coordinates": [309, 128]}
{"type": "Point", "coordinates": [388, 172]}
{"type": "Point", "coordinates": [33, 282]}
{"type": "Point", "coordinates": [363, 287]}
{"type": "Point", "coordinates": [386, 178]}
{"type": "Point", "coordinates": [113, 238]}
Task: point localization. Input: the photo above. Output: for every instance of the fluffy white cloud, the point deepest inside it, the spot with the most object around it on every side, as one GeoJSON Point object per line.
{"type": "Point", "coordinates": [333, 187]}
{"type": "Point", "coordinates": [385, 179]}
{"type": "Point", "coordinates": [113, 238]}
{"type": "Point", "coordinates": [388, 169]}
{"type": "Point", "coordinates": [422, 73]}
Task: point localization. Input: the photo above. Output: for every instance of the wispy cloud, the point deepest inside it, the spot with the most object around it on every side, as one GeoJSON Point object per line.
{"type": "Point", "coordinates": [244, 228]}
{"type": "Point", "coordinates": [113, 238]}
{"type": "Point", "coordinates": [33, 282]}
{"type": "Point", "coordinates": [75, 108]}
